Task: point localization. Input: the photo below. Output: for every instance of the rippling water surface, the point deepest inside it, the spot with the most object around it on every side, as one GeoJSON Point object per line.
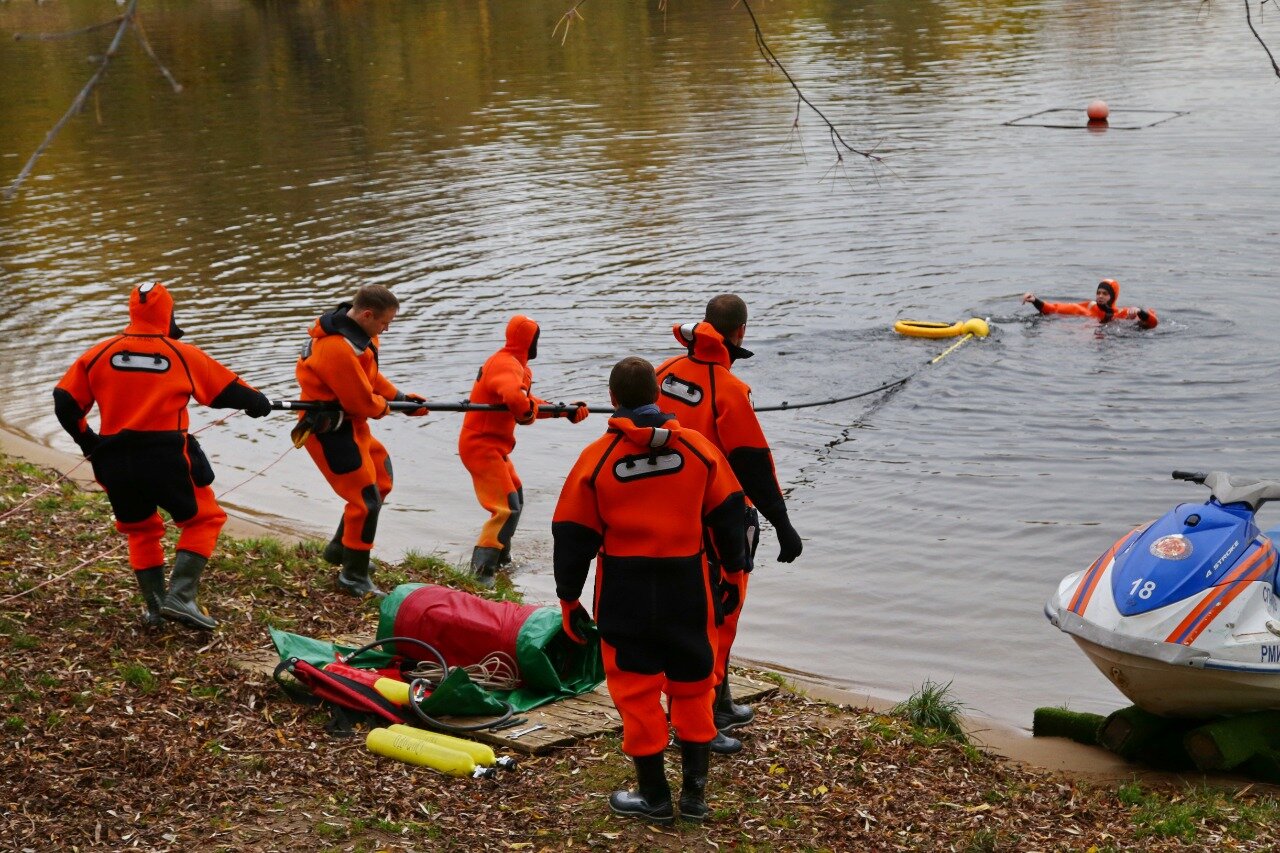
{"type": "Point", "coordinates": [609, 185]}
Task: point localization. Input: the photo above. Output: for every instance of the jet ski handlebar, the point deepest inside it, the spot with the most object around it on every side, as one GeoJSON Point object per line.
{"type": "Point", "coordinates": [1231, 490]}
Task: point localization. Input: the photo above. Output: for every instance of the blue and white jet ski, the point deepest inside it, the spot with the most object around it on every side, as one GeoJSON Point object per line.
{"type": "Point", "coordinates": [1181, 614]}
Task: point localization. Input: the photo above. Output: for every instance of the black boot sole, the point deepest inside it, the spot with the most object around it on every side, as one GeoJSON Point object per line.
{"type": "Point", "coordinates": [662, 820]}
{"type": "Point", "coordinates": [187, 620]}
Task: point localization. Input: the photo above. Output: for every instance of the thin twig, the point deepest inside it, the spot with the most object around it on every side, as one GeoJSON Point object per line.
{"type": "Point", "coordinates": [76, 105]}
{"type": "Point", "coordinates": [66, 35]}
{"type": "Point", "coordinates": [567, 19]}
{"type": "Point", "coordinates": [837, 141]}
{"type": "Point", "coordinates": [146, 45]}
{"type": "Point", "coordinates": [1249, 20]}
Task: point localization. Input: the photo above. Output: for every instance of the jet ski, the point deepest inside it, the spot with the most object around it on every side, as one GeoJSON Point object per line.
{"type": "Point", "coordinates": [1181, 613]}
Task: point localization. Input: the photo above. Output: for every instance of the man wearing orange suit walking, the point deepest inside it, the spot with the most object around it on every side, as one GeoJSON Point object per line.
{"type": "Point", "coordinates": [340, 364]}
{"type": "Point", "coordinates": [640, 503]}
{"type": "Point", "coordinates": [142, 455]}
{"type": "Point", "coordinates": [702, 392]}
{"type": "Point", "coordinates": [488, 437]}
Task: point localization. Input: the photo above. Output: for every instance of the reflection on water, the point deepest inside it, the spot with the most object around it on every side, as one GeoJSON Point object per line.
{"type": "Point", "coordinates": [454, 151]}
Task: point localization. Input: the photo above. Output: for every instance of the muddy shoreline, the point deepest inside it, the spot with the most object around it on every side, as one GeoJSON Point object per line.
{"type": "Point", "coordinates": [999, 737]}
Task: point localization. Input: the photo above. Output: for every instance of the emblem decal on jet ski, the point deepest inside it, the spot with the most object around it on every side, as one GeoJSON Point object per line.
{"type": "Point", "coordinates": [1175, 547]}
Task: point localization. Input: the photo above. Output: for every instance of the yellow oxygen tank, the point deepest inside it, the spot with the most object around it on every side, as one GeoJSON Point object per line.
{"type": "Point", "coordinates": [480, 753]}
{"type": "Point", "coordinates": [395, 692]}
{"type": "Point", "coordinates": [424, 753]}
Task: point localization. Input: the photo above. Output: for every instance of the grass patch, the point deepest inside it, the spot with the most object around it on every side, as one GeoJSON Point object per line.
{"type": "Point", "coordinates": [933, 707]}
{"type": "Point", "coordinates": [137, 675]}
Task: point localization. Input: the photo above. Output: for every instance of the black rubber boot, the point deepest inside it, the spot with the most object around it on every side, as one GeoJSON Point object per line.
{"type": "Point", "coordinates": [354, 578]}
{"type": "Point", "coordinates": [725, 744]}
{"type": "Point", "coordinates": [184, 584]}
{"type": "Point", "coordinates": [730, 715]}
{"type": "Point", "coordinates": [695, 761]}
{"type": "Point", "coordinates": [652, 802]}
{"type": "Point", "coordinates": [484, 563]}
{"type": "Point", "coordinates": [333, 551]}
{"type": "Point", "coordinates": [151, 582]}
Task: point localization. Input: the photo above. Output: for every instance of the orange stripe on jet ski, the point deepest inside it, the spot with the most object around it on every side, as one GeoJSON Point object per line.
{"type": "Point", "coordinates": [1237, 580]}
{"type": "Point", "coordinates": [1090, 582]}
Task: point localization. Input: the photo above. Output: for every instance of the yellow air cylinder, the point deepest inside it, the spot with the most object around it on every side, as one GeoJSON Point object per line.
{"type": "Point", "coordinates": [424, 753]}
{"type": "Point", "coordinates": [395, 692]}
{"type": "Point", "coordinates": [480, 753]}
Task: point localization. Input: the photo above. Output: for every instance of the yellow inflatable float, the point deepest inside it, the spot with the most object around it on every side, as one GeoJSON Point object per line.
{"type": "Point", "coordinates": [925, 329]}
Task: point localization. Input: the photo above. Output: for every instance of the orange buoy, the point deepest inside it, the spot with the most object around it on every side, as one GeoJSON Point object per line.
{"type": "Point", "coordinates": [1098, 111]}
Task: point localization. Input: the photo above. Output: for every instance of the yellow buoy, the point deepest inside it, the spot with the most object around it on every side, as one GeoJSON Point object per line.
{"type": "Point", "coordinates": [480, 753]}
{"type": "Point", "coordinates": [925, 329]}
{"type": "Point", "coordinates": [425, 754]}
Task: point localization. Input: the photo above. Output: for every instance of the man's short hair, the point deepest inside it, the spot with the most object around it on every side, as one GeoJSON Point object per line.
{"type": "Point", "coordinates": [375, 297]}
{"type": "Point", "coordinates": [633, 382]}
{"type": "Point", "coordinates": [726, 313]}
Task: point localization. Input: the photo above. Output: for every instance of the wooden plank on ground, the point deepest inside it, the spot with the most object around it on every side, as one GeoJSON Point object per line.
{"type": "Point", "coordinates": [543, 729]}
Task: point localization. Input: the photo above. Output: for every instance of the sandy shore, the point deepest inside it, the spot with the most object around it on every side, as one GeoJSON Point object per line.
{"type": "Point", "coordinates": [1015, 744]}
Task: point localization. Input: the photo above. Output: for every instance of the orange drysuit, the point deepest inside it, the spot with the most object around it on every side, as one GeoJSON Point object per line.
{"type": "Point", "coordinates": [488, 437]}
{"type": "Point", "coordinates": [705, 396]}
{"type": "Point", "coordinates": [142, 455]}
{"type": "Point", "coordinates": [642, 498]}
{"type": "Point", "coordinates": [1146, 318]}
{"type": "Point", "coordinates": [340, 362]}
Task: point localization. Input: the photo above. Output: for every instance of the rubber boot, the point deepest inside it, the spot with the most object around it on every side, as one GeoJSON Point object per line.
{"type": "Point", "coordinates": [151, 582]}
{"type": "Point", "coordinates": [180, 604]}
{"type": "Point", "coordinates": [652, 802]}
{"type": "Point", "coordinates": [730, 715]}
{"type": "Point", "coordinates": [333, 551]}
{"type": "Point", "coordinates": [484, 564]}
{"type": "Point", "coordinates": [725, 744]}
{"type": "Point", "coordinates": [695, 761]}
{"type": "Point", "coordinates": [354, 578]}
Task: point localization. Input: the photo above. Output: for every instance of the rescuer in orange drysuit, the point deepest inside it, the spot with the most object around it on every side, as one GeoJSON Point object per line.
{"type": "Point", "coordinates": [488, 437]}
{"type": "Point", "coordinates": [643, 498]}
{"type": "Point", "coordinates": [700, 389]}
{"type": "Point", "coordinates": [142, 454]}
{"type": "Point", "coordinates": [1101, 309]}
{"type": "Point", "coordinates": [340, 363]}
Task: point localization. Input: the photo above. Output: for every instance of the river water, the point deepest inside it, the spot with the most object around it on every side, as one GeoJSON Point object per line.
{"type": "Point", "coordinates": [607, 186]}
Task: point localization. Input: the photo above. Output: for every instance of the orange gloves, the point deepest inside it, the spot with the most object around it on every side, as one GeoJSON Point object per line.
{"type": "Point", "coordinates": [576, 622]}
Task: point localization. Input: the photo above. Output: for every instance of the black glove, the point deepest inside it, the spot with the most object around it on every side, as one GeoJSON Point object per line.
{"type": "Point", "coordinates": [789, 544]}
{"type": "Point", "coordinates": [416, 398]}
{"type": "Point", "coordinates": [259, 407]}
{"type": "Point", "coordinates": [730, 597]}
{"type": "Point", "coordinates": [1143, 315]}
{"type": "Point", "coordinates": [88, 441]}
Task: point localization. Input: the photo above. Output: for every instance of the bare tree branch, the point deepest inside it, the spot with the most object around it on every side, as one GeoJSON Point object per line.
{"type": "Point", "coordinates": [567, 19]}
{"type": "Point", "coordinates": [837, 141]}
{"type": "Point", "coordinates": [126, 21]}
{"type": "Point", "coordinates": [146, 45]}
{"type": "Point", "coordinates": [1249, 20]}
